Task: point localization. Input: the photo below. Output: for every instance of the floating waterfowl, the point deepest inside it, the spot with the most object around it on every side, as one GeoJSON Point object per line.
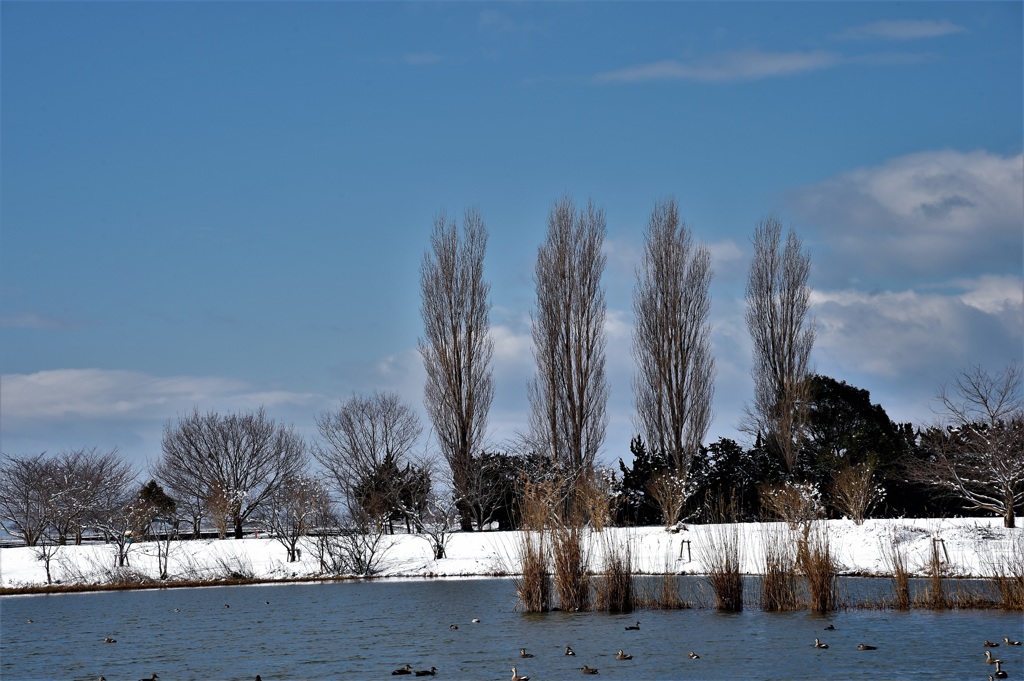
{"type": "Point", "coordinates": [407, 669]}
{"type": "Point", "coordinates": [453, 627]}
{"type": "Point", "coordinates": [1006, 640]}
{"type": "Point", "coordinates": [990, 644]}
{"type": "Point", "coordinates": [588, 670]}
{"type": "Point", "coordinates": [569, 651]}
{"type": "Point", "coordinates": [819, 644]}
{"type": "Point", "coordinates": [622, 656]}
{"type": "Point", "coordinates": [258, 677]}
{"type": "Point", "coordinates": [694, 656]}
{"type": "Point", "coordinates": [107, 639]}
{"type": "Point", "coordinates": [523, 653]}
{"type": "Point", "coordinates": [864, 646]}
{"type": "Point", "coordinates": [426, 672]}
{"type": "Point", "coordinates": [516, 677]}
{"type": "Point", "coordinates": [476, 620]}
{"type": "Point", "coordinates": [989, 658]}
{"type": "Point", "coordinates": [152, 678]}
{"type": "Point", "coordinates": [1000, 674]}
{"type": "Point", "coordinates": [830, 628]}
{"type": "Point", "coordinates": [633, 627]}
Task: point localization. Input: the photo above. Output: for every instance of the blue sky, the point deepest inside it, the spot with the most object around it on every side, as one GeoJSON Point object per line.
{"type": "Point", "coordinates": [225, 205]}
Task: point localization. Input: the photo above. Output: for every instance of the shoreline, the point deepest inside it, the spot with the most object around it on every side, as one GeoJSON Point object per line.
{"type": "Point", "coordinates": [971, 548]}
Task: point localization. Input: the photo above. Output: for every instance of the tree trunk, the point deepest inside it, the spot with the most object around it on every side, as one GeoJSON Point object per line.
{"type": "Point", "coordinates": [465, 511]}
{"type": "Point", "coordinates": [1008, 517]}
{"type": "Point", "coordinates": [238, 527]}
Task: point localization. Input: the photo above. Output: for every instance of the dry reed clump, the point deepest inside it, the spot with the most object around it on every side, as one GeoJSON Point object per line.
{"type": "Point", "coordinates": [896, 559]}
{"type": "Point", "coordinates": [779, 587]}
{"type": "Point", "coordinates": [1008, 575]}
{"type": "Point", "coordinates": [533, 586]}
{"type": "Point", "coordinates": [663, 592]}
{"type": "Point", "coordinates": [614, 588]}
{"type": "Point", "coordinates": [814, 556]}
{"type": "Point", "coordinates": [720, 555]}
{"type": "Point", "coordinates": [570, 560]}
{"type": "Point", "coordinates": [935, 596]}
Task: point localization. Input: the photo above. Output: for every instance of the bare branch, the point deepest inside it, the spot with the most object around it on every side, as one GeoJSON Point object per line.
{"type": "Point", "coordinates": [457, 347]}
{"type": "Point", "coordinates": [569, 395]}
{"type": "Point", "coordinates": [778, 304]}
{"type": "Point", "coordinates": [674, 385]}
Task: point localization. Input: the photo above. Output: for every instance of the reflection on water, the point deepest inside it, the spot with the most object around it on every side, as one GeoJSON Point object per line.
{"type": "Point", "coordinates": [364, 630]}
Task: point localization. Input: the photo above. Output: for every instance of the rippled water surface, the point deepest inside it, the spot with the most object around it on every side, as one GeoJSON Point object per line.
{"type": "Point", "coordinates": [364, 630]}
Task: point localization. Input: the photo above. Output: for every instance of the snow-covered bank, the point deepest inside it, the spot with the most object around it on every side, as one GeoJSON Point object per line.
{"type": "Point", "coordinates": [967, 546]}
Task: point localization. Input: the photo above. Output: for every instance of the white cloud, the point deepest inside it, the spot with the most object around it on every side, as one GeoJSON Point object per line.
{"type": "Point", "coordinates": [995, 295]}
{"type": "Point", "coordinates": [925, 212]}
{"type": "Point", "coordinates": [741, 65]}
{"type": "Point", "coordinates": [903, 333]}
{"type": "Point", "coordinates": [907, 29]}
{"type": "Point", "coordinates": [511, 346]}
{"type": "Point", "coordinates": [125, 395]}
{"type": "Point", "coordinates": [724, 252]}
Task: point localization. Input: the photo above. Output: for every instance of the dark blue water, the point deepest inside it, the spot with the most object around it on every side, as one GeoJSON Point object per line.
{"type": "Point", "coordinates": [364, 630]}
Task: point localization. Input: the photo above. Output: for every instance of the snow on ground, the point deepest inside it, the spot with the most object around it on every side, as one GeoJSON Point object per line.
{"type": "Point", "coordinates": [967, 546]}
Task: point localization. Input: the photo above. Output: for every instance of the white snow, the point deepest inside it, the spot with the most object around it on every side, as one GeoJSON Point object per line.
{"type": "Point", "coordinates": [967, 546]}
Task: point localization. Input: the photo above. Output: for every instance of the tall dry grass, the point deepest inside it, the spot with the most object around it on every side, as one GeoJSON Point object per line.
{"type": "Point", "coordinates": [614, 587]}
{"type": "Point", "coordinates": [533, 585]}
{"type": "Point", "coordinates": [895, 557]}
{"type": "Point", "coordinates": [935, 596]}
{"type": "Point", "coordinates": [1008, 575]}
{"type": "Point", "coordinates": [720, 556]}
{"type": "Point", "coordinates": [570, 558]}
{"type": "Point", "coordinates": [779, 585]}
{"type": "Point", "coordinates": [814, 556]}
{"type": "Point", "coordinates": [664, 592]}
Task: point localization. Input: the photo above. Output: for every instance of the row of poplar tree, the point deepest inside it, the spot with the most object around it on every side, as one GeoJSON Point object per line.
{"type": "Point", "coordinates": [819, 445]}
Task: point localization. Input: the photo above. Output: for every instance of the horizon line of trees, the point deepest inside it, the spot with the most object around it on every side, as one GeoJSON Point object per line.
{"type": "Point", "coordinates": [819, 447]}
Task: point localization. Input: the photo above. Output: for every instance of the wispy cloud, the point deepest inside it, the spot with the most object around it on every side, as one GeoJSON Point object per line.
{"type": "Point", "coordinates": [126, 395]}
{"type": "Point", "coordinates": [32, 320]}
{"type": "Point", "coordinates": [743, 65]}
{"type": "Point", "coordinates": [422, 58]}
{"type": "Point", "coordinates": [907, 29]}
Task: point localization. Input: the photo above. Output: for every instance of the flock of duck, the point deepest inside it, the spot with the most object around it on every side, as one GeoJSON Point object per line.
{"type": "Point", "coordinates": [1000, 673]}
{"type": "Point", "coordinates": [516, 676]}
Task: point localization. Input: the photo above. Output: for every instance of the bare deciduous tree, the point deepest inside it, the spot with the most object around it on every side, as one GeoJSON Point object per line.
{"type": "Point", "coordinates": [363, 442]}
{"type": "Point", "coordinates": [674, 385]}
{"type": "Point", "coordinates": [292, 510]}
{"type": "Point", "coordinates": [79, 478]}
{"type": "Point", "coordinates": [241, 458]}
{"type": "Point", "coordinates": [24, 497]}
{"type": "Point", "coordinates": [979, 455]}
{"type": "Point", "coordinates": [457, 346]}
{"type": "Point", "coordinates": [569, 394]}
{"type": "Point", "coordinates": [778, 304]}
{"type": "Point", "coordinates": [191, 497]}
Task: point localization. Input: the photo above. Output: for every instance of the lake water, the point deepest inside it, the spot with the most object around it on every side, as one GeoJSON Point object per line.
{"type": "Point", "coordinates": [364, 630]}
